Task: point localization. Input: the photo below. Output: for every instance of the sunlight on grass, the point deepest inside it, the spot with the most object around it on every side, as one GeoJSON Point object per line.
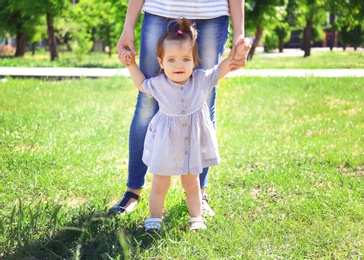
{"type": "Point", "coordinates": [65, 59]}
{"type": "Point", "coordinates": [337, 59]}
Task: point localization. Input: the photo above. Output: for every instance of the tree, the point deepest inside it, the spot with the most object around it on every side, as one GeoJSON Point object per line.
{"type": "Point", "coordinates": [314, 14]}
{"type": "Point", "coordinates": [277, 32]}
{"type": "Point", "coordinates": [96, 19]}
{"type": "Point", "coordinates": [282, 29]}
{"type": "Point", "coordinates": [22, 17]}
{"type": "Point", "coordinates": [17, 19]}
{"type": "Point", "coordinates": [80, 23]}
{"type": "Point", "coordinates": [349, 21]}
{"type": "Point", "coordinates": [35, 34]}
{"type": "Point", "coordinates": [352, 37]}
{"type": "Point", "coordinates": [107, 20]}
{"type": "Point", "coordinates": [111, 15]}
{"type": "Point", "coordinates": [294, 20]}
{"type": "Point", "coordinates": [51, 9]}
{"type": "Point", "coordinates": [260, 14]}
{"type": "Point", "coordinates": [336, 8]}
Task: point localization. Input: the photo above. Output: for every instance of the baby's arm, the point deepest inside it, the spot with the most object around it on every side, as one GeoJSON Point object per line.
{"type": "Point", "coordinates": [136, 75]}
{"type": "Point", "coordinates": [241, 53]}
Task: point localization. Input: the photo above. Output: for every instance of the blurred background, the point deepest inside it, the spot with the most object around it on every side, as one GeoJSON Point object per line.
{"type": "Point", "coordinates": [81, 27]}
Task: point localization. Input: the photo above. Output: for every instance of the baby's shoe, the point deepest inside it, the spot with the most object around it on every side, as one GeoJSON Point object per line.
{"type": "Point", "coordinates": [206, 210]}
{"type": "Point", "coordinates": [197, 223]}
{"type": "Point", "coordinates": [153, 225]}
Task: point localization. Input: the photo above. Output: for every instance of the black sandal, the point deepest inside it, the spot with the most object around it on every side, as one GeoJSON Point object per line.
{"type": "Point", "coordinates": [119, 208]}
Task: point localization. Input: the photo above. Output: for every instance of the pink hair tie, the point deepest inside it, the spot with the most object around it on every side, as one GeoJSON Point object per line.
{"type": "Point", "coordinates": [179, 32]}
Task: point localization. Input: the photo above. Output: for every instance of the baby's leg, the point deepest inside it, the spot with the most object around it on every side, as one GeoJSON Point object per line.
{"type": "Point", "coordinates": [160, 185]}
{"type": "Point", "coordinates": [191, 185]}
{"type": "Point", "coordinates": [242, 49]}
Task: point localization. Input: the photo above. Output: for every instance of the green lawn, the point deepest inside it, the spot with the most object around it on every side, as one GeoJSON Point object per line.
{"type": "Point", "coordinates": [337, 59]}
{"type": "Point", "coordinates": [290, 184]}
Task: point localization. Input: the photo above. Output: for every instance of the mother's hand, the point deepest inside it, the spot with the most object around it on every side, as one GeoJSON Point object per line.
{"type": "Point", "coordinates": [236, 64]}
{"type": "Point", "coordinates": [126, 44]}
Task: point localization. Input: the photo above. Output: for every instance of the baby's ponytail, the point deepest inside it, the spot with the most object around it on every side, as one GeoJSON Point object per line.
{"type": "Point", "coordinates": [188, 27]}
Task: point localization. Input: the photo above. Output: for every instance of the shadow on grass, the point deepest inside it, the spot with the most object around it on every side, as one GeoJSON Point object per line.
{"type": "Point", "coordinates": [94, 235]}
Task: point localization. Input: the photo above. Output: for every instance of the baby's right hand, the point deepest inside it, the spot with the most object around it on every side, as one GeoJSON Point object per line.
{"type": "Point", "coordinates": [127, 57]}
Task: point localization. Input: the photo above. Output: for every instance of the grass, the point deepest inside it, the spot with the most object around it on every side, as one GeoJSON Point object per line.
{"type": "Point", "coordinates": [320, 58]}
{"type": "Point", "coordinates": [290, 184]}
{"type": "Point", "coordinates": [65, 59]}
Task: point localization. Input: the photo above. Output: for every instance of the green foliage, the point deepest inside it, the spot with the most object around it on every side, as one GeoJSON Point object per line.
{"type": "Point", "coordinates": [349, 14]}
{"type": "Point", "coordinates": [81, 43]}
{"type": "Point", "coordinates": [18, 17]}
{"type": "Point", "coordinates": [352, 36]}
{"type": "Point", "coordinates": [99, 20]}
{"type": "Point", "coordinates": [266, 13]}
{"type": "Point", "coordinates": [39, 33]}
{"type": "Point", "coordinates": [55, 8]}
{"type": "Point", "coordinates": [94, 20]}
{"type": "Point", "coordinates": [282, 30]}
{"type": "Point", "coordinates": [270, 41]}
{"type": "Point", "coordinates": [295, 17]}
{"type": "Point", "coordinates": [318, 34]}
{"type": "Point", "coordinates": [87, 21]}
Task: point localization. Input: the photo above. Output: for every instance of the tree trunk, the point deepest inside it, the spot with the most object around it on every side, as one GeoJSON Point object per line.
{"type": "Point", "coordinates": [108, 38]}
{"type": "Point", "coordinates": [66, 39]}
{"type": "Point", "coordinates": [280, 44]}
{"type": "Point", "coordinates": [21, 44]}
{"type": "Point", "coordinates": [332, 20]}
{"type": "Point", "coordinates": [258, 36]}
{"type": "Point", "coordinates": [33, 48]}
{"type": "Point", "coordinates": [307, 35]}
{"type": "Point", "coordinates": [51, 38]}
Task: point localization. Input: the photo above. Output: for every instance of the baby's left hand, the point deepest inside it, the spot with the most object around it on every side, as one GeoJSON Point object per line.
{"type": "Point", "coordinates": [244, 49]}
{"type": "Point", "coordinates": [238, 56]}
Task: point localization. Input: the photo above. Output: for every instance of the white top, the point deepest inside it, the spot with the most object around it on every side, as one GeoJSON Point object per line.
{"type": "Point", "coordinates": [189, 9]}
{"type": "Point", "coordinates": [181, 137]}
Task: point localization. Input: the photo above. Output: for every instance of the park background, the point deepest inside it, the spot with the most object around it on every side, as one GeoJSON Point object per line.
{"type": "Point", "coordinates": [81, 26]}
{"type": "Point", "coordinates": [290, 184]}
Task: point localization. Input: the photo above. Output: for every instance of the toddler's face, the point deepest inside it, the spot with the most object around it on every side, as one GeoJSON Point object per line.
{"type": "Point", "coordinates": [177, 61]}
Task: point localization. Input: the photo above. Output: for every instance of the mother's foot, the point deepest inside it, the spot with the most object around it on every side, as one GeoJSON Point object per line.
{"type": "Point", "coordinates": [126, 204]}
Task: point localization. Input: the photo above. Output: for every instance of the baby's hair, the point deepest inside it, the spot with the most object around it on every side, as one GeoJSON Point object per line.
{"type": "Point", "coordinates": [180, 30]}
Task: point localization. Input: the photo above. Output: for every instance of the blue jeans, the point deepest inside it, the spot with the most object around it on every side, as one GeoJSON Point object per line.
{"type": "Point", "coordinates": [212, 36]}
